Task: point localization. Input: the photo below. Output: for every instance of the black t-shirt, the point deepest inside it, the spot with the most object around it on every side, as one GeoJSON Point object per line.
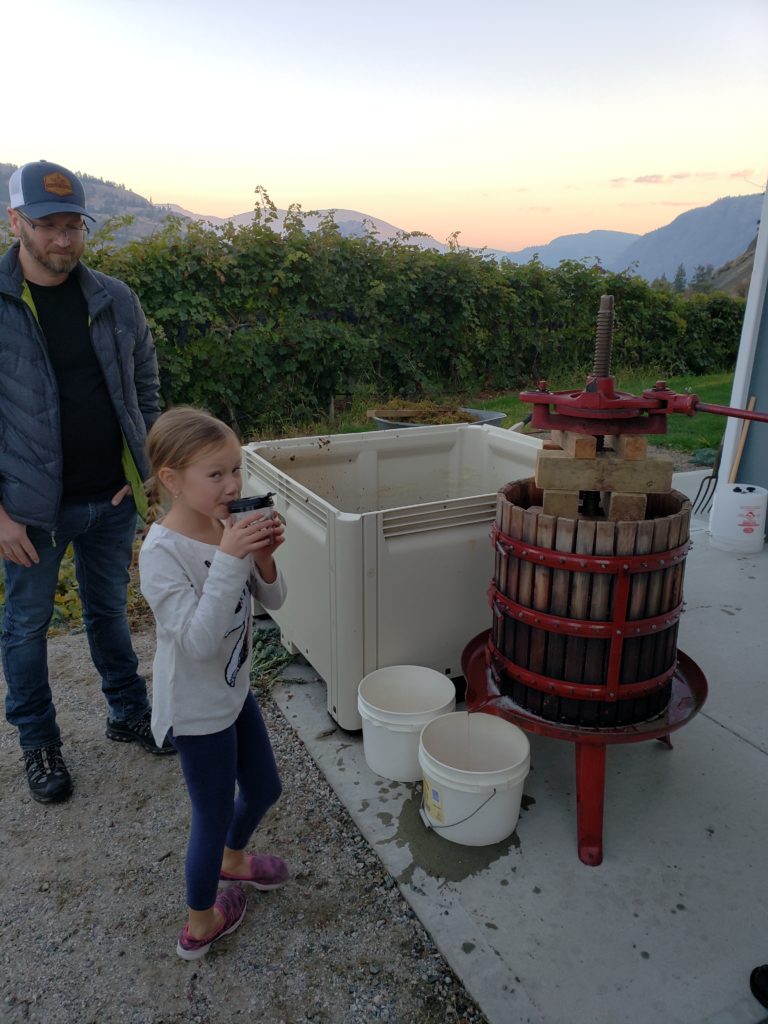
{"type": "Point", "coordinates": [91, 439]}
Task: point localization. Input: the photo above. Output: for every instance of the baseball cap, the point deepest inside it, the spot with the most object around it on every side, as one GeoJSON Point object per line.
{"type": "Point", "coordinates": [42, 188]}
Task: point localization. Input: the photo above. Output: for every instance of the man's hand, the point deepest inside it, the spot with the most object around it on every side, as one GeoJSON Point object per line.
{"type": "Point", "coordinates": [15, 545]}
{"type": "Point", "coordinates": [122, 493]}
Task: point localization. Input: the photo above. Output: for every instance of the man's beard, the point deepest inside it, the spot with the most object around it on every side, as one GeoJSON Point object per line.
{"type": "Point", "coordinates": [57, 263]}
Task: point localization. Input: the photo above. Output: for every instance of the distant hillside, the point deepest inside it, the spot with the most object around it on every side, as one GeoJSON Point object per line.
{"type": "Point", "coordinates": [599, 245]}
{"type": "Point", "coordinates": [710, 235]}
{"type": "Point", "coordinates": [351, 223]}
{"type": "Point", "coordinates": [107, 199]}
{"type": "Point", "coordinates": [733, 278]}
{"type": "Point", "coordinates": [707, 236]}
{"type": "Point", "coordinates": [604, 246]}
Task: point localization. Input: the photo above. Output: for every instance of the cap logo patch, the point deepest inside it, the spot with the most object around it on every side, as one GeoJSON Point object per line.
{"type": "Point", "coordinates": [58, 184]}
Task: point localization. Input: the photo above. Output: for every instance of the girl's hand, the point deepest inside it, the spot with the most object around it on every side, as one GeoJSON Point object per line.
{"type": "Point", "coordinates": [253, 535]}
{"type": "Point", "coordinates": [265, 563]}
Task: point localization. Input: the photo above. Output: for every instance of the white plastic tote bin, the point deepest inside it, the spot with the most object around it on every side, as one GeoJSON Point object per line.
{"type": "Point", "coordinates": [474, 767]}
{"type": "Point", "coordinates": [387, 555]}
{"type": "Point", "coordinates": [737, 519]}
{"type": "Point", "coordinates": [395, 704]}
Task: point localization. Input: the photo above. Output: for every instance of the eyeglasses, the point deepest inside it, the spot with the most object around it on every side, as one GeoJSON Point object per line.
{"type": "Point", "coordinates": [53, 230]}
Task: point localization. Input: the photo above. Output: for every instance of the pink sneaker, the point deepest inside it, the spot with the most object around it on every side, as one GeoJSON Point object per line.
{"type": "Point", "coordinates": [265, 872]}
{"type": "Point", "coordinates": [231, 903]}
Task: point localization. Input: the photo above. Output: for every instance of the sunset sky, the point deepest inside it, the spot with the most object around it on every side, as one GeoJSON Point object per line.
{"type": "Point", "coordinates": [510, 122]}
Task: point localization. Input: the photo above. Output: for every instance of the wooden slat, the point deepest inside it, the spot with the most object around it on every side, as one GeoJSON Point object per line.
{"type": "Point", "coordinates": [661, 660]}
{"type": "Point", "coordinates": [499, 562]}
{"type": "Point", "coordinates": [637, 593]}
{"type": "Point", "coordinates": [513, 571]}
{"type": "Point", "coordinates": [626, 538]}
{"type": "Point", "coordinates": [525, 590]}
{"type": "Point", "coordinates": [565, 536]}
{"type": "Point", "coordinates": [561, 587]}
{"type": "Point", "coordinates": [575, 647]}
{"type": "Point", "coordinates": [677, 574]}
{"type": "Point", "coordinates": [599, 610]}
{"type": "Point", "coordinates": [503, 512]}
{"type": "Point", "coordinates": [653, 598]}
{"type": "Point", "coordinates": [545, 535]}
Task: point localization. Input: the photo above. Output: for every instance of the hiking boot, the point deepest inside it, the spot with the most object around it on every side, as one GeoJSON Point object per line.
{"type": "Point", "coordinates": [758, 983]}
{"type": "Point", "coordinates": [47, 775]}
{"type": "Point", "coordinates": [265, 871]}
{"type": "Point", "coordinates": [231, 904]}
{"type": "Point", "coordinates": [138, 730]}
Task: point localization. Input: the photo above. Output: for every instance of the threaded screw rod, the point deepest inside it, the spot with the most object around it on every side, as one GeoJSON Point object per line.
{"type": "Point", "coordinates": [604, 338]}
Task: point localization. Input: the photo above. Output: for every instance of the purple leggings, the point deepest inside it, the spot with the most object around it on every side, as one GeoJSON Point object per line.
{"type": "Point", "coordinates": [211, 765]}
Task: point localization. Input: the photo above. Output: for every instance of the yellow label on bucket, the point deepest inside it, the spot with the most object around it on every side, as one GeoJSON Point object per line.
{"type": "Point", "coordinates": [433, 800]}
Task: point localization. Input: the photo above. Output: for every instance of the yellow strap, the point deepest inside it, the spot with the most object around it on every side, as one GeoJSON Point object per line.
{"type": "Point", "coordinates": [133, 477]}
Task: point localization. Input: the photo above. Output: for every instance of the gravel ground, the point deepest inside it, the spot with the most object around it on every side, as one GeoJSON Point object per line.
{"type": "Point", "coordinates": [93, 896]}
{"type": "Point", "coordinates": [682, 462]}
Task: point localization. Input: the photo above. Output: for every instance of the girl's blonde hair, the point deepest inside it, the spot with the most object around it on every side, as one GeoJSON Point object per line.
{"type": "Point", "coordinates": [177, 438]}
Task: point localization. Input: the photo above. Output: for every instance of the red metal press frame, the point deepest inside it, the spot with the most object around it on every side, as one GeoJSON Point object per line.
{"type": "Point", "coordinates": [602, 411]}
{"type": "Point", "coordinates": [689, 691]}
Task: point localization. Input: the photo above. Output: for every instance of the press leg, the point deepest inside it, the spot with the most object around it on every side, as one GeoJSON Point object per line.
{"type": "Point", "coordinates": [590, 800]}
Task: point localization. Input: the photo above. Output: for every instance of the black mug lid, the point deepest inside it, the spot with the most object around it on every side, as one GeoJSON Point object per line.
{"type": "Point", "coordinates": [251, 504]}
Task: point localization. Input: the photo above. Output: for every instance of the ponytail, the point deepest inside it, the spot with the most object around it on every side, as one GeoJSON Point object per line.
{"type": "Point", "coordinates": [156, 509]}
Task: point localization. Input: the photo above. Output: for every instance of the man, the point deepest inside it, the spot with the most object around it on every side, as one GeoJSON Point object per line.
{"type": "Point", "coordinates": [78, 390]}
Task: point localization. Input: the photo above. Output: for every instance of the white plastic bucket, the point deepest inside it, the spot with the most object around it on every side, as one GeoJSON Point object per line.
{"type": "Point", "coordinates": [395, 704]}
{"type": "Point", "coordinates": [737, 520]}
{"type": "Point", "coordinates": [474, 767]}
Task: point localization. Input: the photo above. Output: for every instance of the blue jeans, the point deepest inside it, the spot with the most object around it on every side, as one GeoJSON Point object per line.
{"type": "Point", "coordinates": [102, 537]}
{"type": "Point", "coordinates": [211, 765]}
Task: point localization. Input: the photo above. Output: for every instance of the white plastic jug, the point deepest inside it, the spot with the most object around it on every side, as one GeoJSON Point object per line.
{"type": "Point", "coordinates": [737, 519]}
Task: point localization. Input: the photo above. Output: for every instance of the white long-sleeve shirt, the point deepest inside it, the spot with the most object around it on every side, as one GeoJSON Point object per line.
{"type": "Point", "coordinates": [202, 602]}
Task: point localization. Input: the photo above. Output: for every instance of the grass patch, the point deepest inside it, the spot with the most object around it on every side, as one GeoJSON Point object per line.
{"type": "Point", "coordinates": [268, 660]}
{"type": "Point", "coordinates": [685, 433]}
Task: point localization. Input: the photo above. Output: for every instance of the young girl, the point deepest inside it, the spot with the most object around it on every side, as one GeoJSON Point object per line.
{"type": "Point", "coordinates": [199, 571]}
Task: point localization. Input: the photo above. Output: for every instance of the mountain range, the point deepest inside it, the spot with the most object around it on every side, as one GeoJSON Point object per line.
{"type": "Point", "coordinates": [706, 236]}
{"type": "Point", "coordinates": [714, 235]}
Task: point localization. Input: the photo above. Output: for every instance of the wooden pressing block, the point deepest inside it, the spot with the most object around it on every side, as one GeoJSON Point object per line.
{"type": "Point", "coordinates": [561, 503]}
{"type": "Point", "coordinates": [622, 506]}
{"type": "Point", "coordinates": [578, 446]}
{"type": "Point", "coordinates": [631, 446]}
{"type": "Point", "coordinates": [558, 471]}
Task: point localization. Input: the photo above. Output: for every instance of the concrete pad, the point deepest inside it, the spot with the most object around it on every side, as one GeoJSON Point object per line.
{"type": "Point", "coordinates": [670, 925]}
